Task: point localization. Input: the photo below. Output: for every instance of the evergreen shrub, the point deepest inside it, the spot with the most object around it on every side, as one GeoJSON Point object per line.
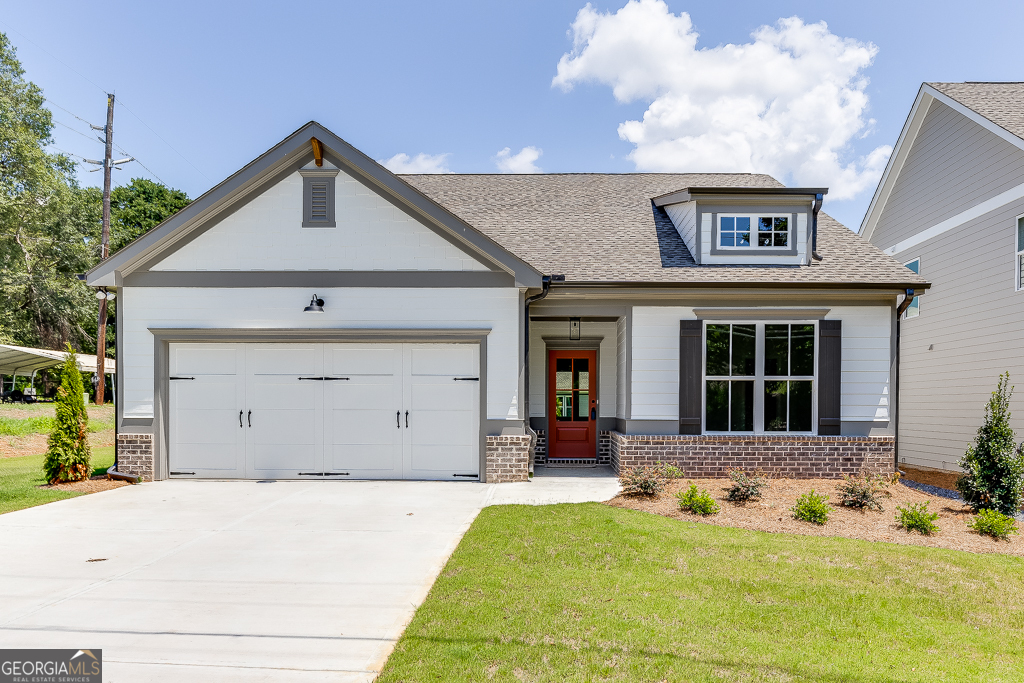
{"type": "Point", "coordinates": [67, 455]}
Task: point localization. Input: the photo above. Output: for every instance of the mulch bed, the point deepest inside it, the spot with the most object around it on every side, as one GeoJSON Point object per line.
{"type": "Point", "coordinates": [772, 514]}
{"type": "Point", "coordinates": [944, 480]}
{"type": "Point", "coordinates": [91, 485]}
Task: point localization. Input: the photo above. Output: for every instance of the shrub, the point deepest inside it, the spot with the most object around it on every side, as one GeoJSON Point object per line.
{"type": "Point", "coordinates": [642, 481]}
{"type": "Point", "coordinates": [697, 501]}
{"type": "Point", "coordinates": [670, 471]}
{"type": "Point", "coordinates": [993, 467]}
{"type": "Point", "coordinates": [862, 492]}
{"type": "Point", "coordinates": [994, 523]}
{"type": "Point", "coordinates": [811, 507]}
{"type": "Point", "coordinates": [67, 454]}
{"type": "Point", "coordinates": [745, 486]}
{"type": "Point", "coordinates": [917, 518]}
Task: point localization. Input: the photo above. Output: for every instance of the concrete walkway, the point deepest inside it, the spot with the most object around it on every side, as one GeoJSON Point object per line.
{"type": "Point", "coordinates": [243, 581]}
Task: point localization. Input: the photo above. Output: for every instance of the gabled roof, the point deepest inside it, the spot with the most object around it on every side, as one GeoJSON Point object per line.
{"type": "Point", "coordinates": [286, 158]}
{"type": "Point", "coordinates": [606, 228]}
{"type": "Point", "coordinates": [687, 194]}
{"type": "Point", "coordinates": [997, 107]}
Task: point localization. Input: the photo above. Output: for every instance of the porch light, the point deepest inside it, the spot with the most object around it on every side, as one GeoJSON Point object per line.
{"type": "Point", "coordinates": [315, 305]}
{"type": "Point", "coordinates": [574, 329]}
{"type": "Point", "coordinates": [100, 294]}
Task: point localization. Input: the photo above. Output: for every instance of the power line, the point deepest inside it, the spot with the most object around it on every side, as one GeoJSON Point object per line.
{"type": "Point", "coordinates": [94, 127]}
{"type": "Point", "coordinates": [75, 130]}
{"type": "Point", "coordinates": [83, 77]}
{"type": "Point", "coordinates": [121, 102]}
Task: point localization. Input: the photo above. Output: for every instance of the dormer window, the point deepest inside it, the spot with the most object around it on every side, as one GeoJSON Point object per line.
{"type": "Point", "coordinates": [753, 230]}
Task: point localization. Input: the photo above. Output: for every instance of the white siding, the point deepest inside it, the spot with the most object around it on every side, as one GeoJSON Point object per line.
{"type": "Point", "coordinates": [607, 379]}
{"type": "Point", "coordinates": [267, 234]}
{"type": "Point", "coordinates": [865, 367]}
{"type": "Point", "coordinates": [621, 365]}
{"type": "Point", "coordinates": [684, 217]}
{"type": "Point", "coordinates": [483, 308]}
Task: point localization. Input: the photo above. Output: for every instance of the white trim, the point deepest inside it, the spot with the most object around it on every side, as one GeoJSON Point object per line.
{"type": "Point", "coordinates": [915, 303]}
{"type": "Point", "coordinates": [1018, 258]}
{"type": "Point", "coordinates": [754, 231]}
{"type": "Point", "coordinates": [976, 211]}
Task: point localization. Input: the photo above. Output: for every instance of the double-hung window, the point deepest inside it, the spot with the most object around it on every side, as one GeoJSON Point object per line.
{"type": "Point", "coordinates": [1020, 253]}
{"type": "Point", "coordinates": [759, 377]}
{"type": "Point", "coordinates": [753, 231]}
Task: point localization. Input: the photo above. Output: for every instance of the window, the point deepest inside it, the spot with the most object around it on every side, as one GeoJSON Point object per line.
{"type": "Point", "coordinates": [1020, 253]}
{"type": "Point", "coordinates": [318, 198]}
{"type": "Point", "coordinates": [753, 231]}
{"type": "Point", "coordinates": [572, 388]}
{"type": "Point", "coordinates": [914, 309]}
{"type": "Point", "coordinates": [759, 377]}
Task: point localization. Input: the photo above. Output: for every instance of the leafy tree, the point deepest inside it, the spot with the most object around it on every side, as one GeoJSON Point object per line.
{"type": "Point", "coordinates": [67, 455]}
{"type": "Point", "coordinates": [993, 467]}
{"type": "Point", "coordinates": [140, 206]}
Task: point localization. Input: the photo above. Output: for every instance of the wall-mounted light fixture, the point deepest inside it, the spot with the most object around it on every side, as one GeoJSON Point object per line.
{"type": "Point", "coordinates": [103, 294]}
{"type": "Point", "coordinates": [574, 329]}
{"type": "Point", "coordinates": [315, 305]}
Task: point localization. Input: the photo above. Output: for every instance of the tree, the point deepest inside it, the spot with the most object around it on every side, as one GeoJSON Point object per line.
{"type": "Point", "coordinates": [68, 455]}
{"type": "Point", "coordinates": [140, 206]}
{"type": "Point", "coordinates": [993, 467]}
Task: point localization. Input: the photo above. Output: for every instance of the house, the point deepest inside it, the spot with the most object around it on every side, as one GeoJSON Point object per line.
{"type": "Point", "coordinates": [950, 206]}
{"type": "Point", "coordinates": [316, 316]}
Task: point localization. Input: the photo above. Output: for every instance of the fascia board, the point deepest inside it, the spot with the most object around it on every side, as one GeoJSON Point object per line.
{"type": "Point", "coordinates": [709, 193]}
{"type": "Point", "coordinates": [911, 127]}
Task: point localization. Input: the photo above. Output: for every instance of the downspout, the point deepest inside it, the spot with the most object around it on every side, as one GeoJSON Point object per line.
{"type": "Point", "coordinates": [818, 199]}
{"type": "Point", "coordinates": [545, 289]}
{"type": "Point", "coordinates": [900, 310]}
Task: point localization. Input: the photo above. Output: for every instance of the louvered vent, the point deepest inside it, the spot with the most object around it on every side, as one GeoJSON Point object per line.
{"type": "Point", "coordinates": [318, 208]}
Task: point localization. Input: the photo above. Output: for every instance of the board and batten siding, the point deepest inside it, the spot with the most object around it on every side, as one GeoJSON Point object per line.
{"type": "Point", "coordinates": [267, 234]}
{"type": "Point", "coordinates": [496, 309]}
{"type": "Point", "coordinates": [954, 164]}
{"type": "Point", "coordinates": [607, 379]}
{"type": "Point", "coordinates": [684, 217]}
{"type": "Point", "coordinates": [867, 336]}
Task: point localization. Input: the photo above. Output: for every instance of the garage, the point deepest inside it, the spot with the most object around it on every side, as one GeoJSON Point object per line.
{"type": "Point", "coordinates": [324, 411]}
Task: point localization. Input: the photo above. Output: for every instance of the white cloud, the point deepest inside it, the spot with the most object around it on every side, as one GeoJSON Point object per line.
{"type": "Point", "coordinates": [788, 104]}
{"type": "Point", "coordinates": [421, 163]}
{"type": "Point", "coordinates": [522, 162]}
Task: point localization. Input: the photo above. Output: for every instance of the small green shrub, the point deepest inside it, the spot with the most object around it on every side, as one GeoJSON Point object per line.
{"type": "Point", "coordinates": [67, 453]}
{"type": "Point", "coordinates": [994, 523]}
{"type": "Point", "coordinates": [670, 471]}
{"type": "Point", "coordinates": [917, 518]}
{"type": "Point", "coordinates": [697, 501]}
{"type": "Point", "coordinates": [745, 486]}
{"type": "Point", "coordinates": [862, 492]}
{"type": "Point", "coordinates": [993, 466]}
{"type": "Point", "coordinates": [642, 481]}
{"type": "Point", "coordinates": [811, 507]}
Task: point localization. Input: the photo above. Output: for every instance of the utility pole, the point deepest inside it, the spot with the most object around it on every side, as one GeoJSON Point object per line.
{"type": "Point", "coordinates": [101, 328]}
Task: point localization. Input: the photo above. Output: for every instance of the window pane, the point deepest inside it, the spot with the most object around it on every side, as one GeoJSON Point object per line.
{"type": "Point", "coordinates": [582, 373]}
{"type": "Point", "coordinates": [742, 404]}
{"type": "Point", "coordinates": [781, 239]}
{"type": "Point", "coordinates": [1020, 234]}
{"type": "Point", "coordinates": [743, 223]}
{"type": "Point", "coordinates": [728, 239]}
{"type": "Point", "coordinates": [563, 405]}
{"type": "Point", "coordinates": [743, 342]}
{"type": "Point", "coordinates": [764, 239]}
{"type": "Point", "coordinates": [764, 224]}
{"type": "Point", "coordinates": [915, 265]}
{"type": "Point", "coordinates": [775, 406]}
{"type": "Point", "coordinates": [743, 239]}
{"type": "Point", "coordinates": [800, 406]}
{"type": "Point", "coordinates": [718, 351]}
{"type": "Point", "coordinates": [776, 350]}
{"type": "Point", "coordinates": [728, 223]}
{"type": "Point", "coordinates": [582, 405]}
{"type": "Point", "coordinates": [716, 418]}
{"type": "Point", "coordinates": [781, 224]}
{"type": "Point", "coordinates": [802, 350]}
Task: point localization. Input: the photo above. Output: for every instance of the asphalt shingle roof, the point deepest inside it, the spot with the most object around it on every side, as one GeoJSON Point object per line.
{"type": "Point", "coordinates": [1000, 103]}
{"type": "Point", "coordinates": [599, 227]}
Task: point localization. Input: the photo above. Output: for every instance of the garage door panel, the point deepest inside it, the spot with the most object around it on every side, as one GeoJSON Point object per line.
{"type": "Point", "coordinates": [364, 461]}
{"type": "Point", "coordinates": [364, 394]}
{"type": "Point", "coordinates": [289, 394]}
{"type": "Point", "coordinates": [444, 461]}
{"type": "Point", "coordinates": [286, 458]}
{"type": "Point", "coordinates": [214, 459]}
{"type": "Point", "coordinates": [431, 394]}
{"type": "Point", "coordinates": [204, 360]}
{"type": "Point", "coordinates": [443, 427]}
{"type": "Point", "coordinates": [358, 427]}
{"type": "Point", "coordinates": [284, 426]}
{"type": "Point", "coordinates": [346, 360]}
{"type": "Point", "coordinates": [444, 359]}
{"type": "Point", "coordinates": [206, 426]}
{"type": "Point", "coordinates": [286, 359]}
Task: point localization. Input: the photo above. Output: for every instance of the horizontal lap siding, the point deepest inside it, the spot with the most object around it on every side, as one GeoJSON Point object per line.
{"type": "Point", "coordinates": [496, 309]}
{"type": "Point", "coordinates": [655, 361]}
{"type": "Point", "coordinates": [684, 217]}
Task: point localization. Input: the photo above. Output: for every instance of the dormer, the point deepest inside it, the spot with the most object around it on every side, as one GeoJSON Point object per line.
{"type": "Point", "coordinates": [745, 225]}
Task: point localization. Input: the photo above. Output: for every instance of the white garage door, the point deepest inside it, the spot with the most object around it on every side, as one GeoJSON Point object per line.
{"type": "Point", "coordinates": [348, 411]}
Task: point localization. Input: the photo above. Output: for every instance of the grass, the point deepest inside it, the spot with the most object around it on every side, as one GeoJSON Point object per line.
{"type": "Point", "coordinates": [20, 476]}
{"type": "Point", "coordinates": [100, 420]}
{"type": "Point", "coordinates": [594, 593]}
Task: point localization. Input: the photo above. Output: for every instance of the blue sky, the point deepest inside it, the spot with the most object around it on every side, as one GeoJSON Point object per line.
{"type": "Point", "coordinates": [209, 86]}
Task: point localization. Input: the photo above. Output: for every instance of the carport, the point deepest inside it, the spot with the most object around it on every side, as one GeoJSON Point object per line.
{"type": "Point", "coordinates": [25, 361]}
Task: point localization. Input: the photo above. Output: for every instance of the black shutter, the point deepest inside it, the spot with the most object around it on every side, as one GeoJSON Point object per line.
{"type": "Point", "coordinates": [691, 333]}
{"type": "Point", "coordinates": [830, 376]}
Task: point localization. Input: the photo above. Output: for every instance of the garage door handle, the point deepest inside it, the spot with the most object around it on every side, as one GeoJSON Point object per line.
{"type": "Point", "coordinates": [181, 378]}
{"type": "Point", "coordinates": [407, 419]}
{"type": "Point", "coordinates": [466, 379]}
{"type": "Point", "coordinates": [250, 418]}
{"type": "Point", "coordinates": [398, 419]}
{"type": "Point", "coordinates": [240, 425]}
{"type": "Point", "coordinates": [332, 379]}
{"type": "Point", "coordinates": [318, 379]}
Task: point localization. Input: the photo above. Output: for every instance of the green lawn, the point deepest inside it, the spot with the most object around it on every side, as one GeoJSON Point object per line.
{"type": "Point", "coordinates": [38, 419]}
{"type": "Point", "coordinates": [594, 593]}
{"type": "Point", "coordinates": [20, 476]}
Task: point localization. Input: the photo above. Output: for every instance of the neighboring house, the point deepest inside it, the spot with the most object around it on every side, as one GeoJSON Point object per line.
{"type": "Point", "coordinates": [951, 207]}
{"type": "Point", "coordinates": [316, 316]}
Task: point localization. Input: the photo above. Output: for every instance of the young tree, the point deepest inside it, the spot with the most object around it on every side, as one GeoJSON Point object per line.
{"type": "Point", "coordinates": [68, 457]}
{"type": "Point", "coordinates": [993, 467]}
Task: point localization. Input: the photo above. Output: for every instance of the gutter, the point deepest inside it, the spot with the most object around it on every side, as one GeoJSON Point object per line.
{"type": "Point", "coordinates": [112, 473]}
{"type": "Point", "coordinates": [900, 310]}
{"type": "Point", "coordinates": [545, 290]}
{"type": "Point", "coordinates": [818, 199]}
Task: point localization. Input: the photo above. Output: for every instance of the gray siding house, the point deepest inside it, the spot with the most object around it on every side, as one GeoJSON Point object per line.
{"type": "Point", "coordinates": [951, 207]}
{"type": "Point", "coordinates": [315, 316]}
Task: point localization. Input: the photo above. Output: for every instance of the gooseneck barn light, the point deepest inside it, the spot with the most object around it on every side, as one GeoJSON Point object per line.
{"type": "Point", "coordinates": [315, 305]}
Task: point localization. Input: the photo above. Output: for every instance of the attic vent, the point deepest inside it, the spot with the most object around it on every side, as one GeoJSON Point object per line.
{"type": "Point", "coordinates": [318, 197]}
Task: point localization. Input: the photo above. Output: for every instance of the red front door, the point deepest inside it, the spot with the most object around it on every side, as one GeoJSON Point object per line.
{"type": "Point", "coordinates": [572, 404]}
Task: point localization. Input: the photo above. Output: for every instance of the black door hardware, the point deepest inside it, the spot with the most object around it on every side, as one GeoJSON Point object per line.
{"type": "Point", "coordinates": [407, 419]}
{"type": "Point", "coordinates": [323, 474]}
{"type": "Point", "coordinates": [475, 476]}
{"type": "Point", "coordinates": [398, 419]}
{"type": "Point", "coordinates": [175, 473]}
{"type": "Point", "coordinates": [240, 425]}
{"type": "Point", "coordinates": [181, 378]}
{"type": "Point", "coordinates": [466, 379]}
{"type": "Point", "coordinates": [250, 418]}
{"type": "Point", "coordinates": [324, 379]}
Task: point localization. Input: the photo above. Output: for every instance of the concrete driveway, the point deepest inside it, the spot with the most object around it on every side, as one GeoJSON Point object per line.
{"type": "Point", "coordinates": [240, 581]}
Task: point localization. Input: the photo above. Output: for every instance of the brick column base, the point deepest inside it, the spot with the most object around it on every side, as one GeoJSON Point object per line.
{"type": "Point", "coordinates": [793, 456]}
{"type": "Point", "coordinates": [508, 458]}
{"type": "Point", "coordinates": [135, 455]}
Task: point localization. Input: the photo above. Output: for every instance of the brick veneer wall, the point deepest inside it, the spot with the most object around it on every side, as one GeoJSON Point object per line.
{"type": "Point", "coordinates": [508, 458]}
{"type": "Point", "coordinates": [799, 457]}
{"type": "Point", "coordinates": [135, 455]}
{"type": "Point", "coordinates": [540, 452]}
{"type": "Point", "coordinates": [604, 448]}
